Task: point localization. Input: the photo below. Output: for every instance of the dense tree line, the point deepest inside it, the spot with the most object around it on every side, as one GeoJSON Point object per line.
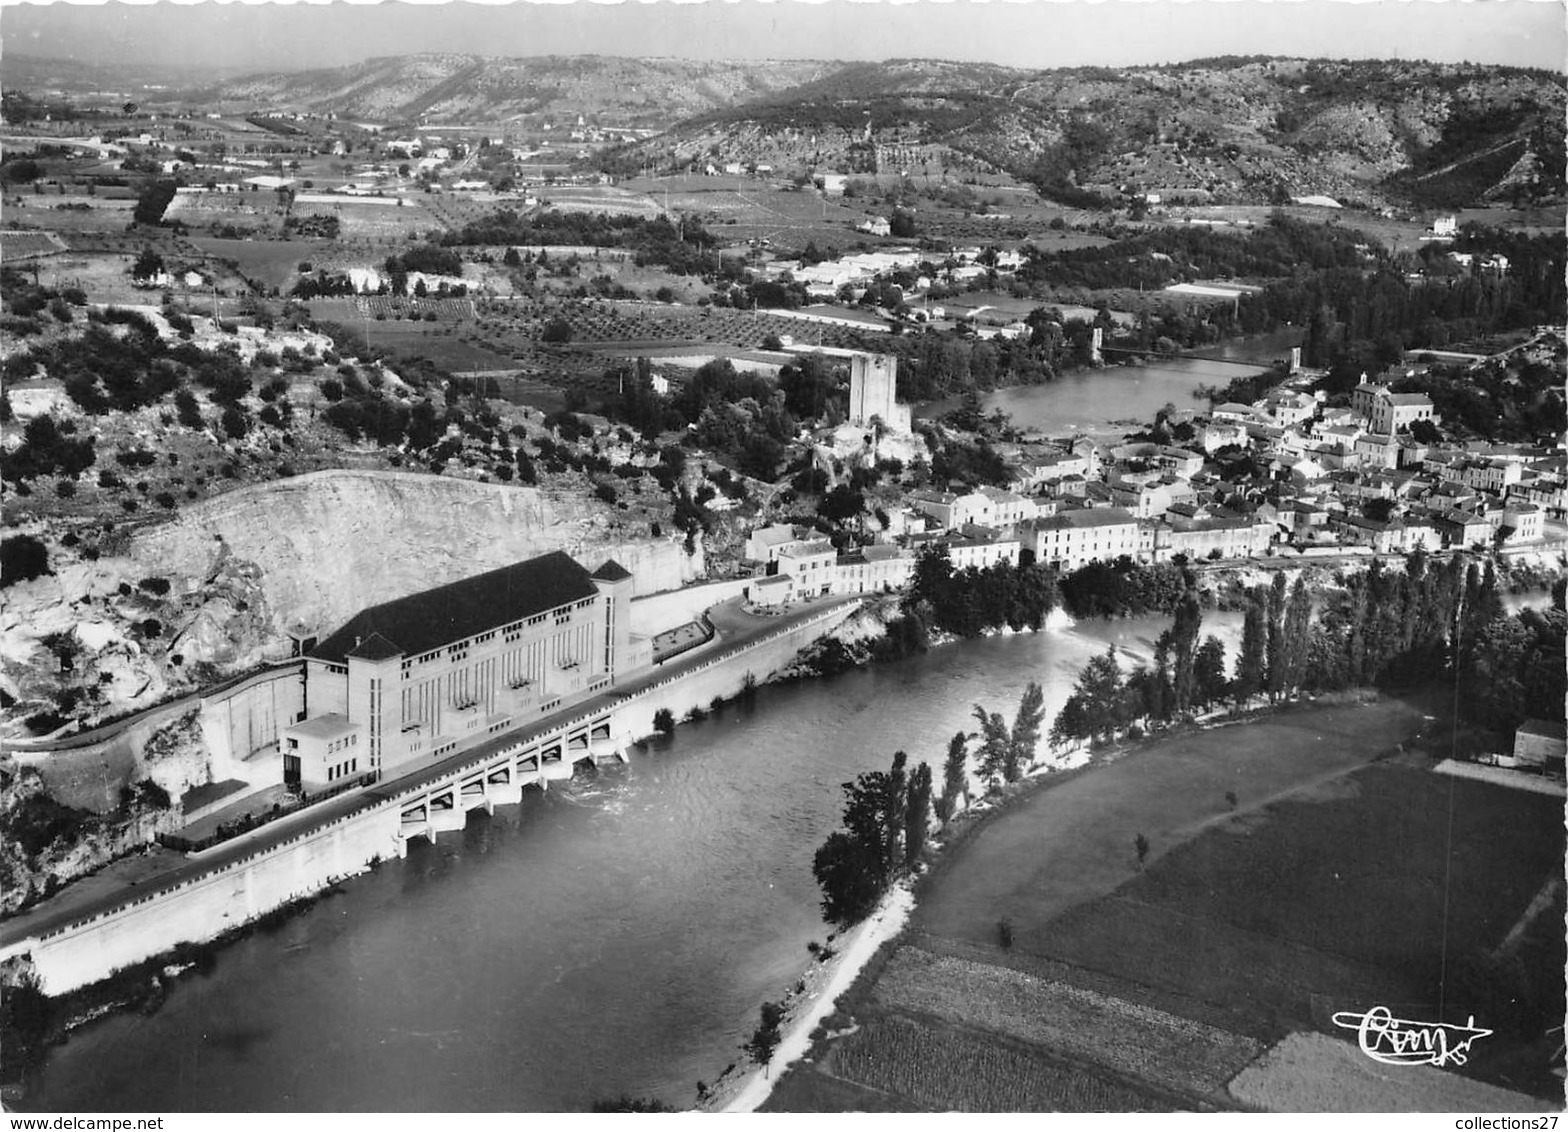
{"type": "Point", "coordinates": [678, 247]}
{"type": "Point", "coordinates": [430, 259]}
{"type": "Point", "coordinates": [154, 200]}
{"type": "Point", "coordinates": [1165, 255]}
{"type": "Point", "coordinates": [855, 866]}
{"type": "Point", "coordinates": [742, 418]}
{"type": "Point", "coordinates": [1123, 588]}
{"type": "Point", "coordinates": [887, 814]}
{"type": "Point", "coordinates": [1361, 319]}
{"type": "Point", "coordinates": [1188, 675]}
{"type": "Point", "coordinates": [1512, 399]}
{"type": "Point", "coordinates": [1394, 629]}
{"type": "Point", "coordinates": [1378, 628]}
{"type": "Point", "coordinates": [971, 602]}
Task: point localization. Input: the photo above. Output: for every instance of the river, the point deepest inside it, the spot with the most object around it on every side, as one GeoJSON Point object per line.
{"type": "Point", "coordinates": [616, 935]}
{"type": "Point", "coordinates": [1118, 399]}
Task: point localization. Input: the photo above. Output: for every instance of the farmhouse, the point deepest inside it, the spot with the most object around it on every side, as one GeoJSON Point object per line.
{"type": "Point", "coordinates": [1540, 743]}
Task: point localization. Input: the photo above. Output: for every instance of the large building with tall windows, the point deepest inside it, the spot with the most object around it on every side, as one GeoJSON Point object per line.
{"type": "Point", "coordinates": [424, 675]}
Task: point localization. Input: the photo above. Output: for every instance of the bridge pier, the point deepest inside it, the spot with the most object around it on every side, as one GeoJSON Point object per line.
{"type": "Point", "coordinates": [446, 811]}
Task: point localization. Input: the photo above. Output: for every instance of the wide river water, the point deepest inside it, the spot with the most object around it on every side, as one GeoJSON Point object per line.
{"type": "Point", "coordinates": [616, 935]}
{"type": "Point", "coordinates": [1120, 399]}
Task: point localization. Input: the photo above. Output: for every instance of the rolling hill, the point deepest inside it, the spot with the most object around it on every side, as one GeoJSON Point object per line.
{"type": "Point", "coordinates": [1219, 130]}
{"type": "Point", "coordinates": [1213, 130]}
{"type": "Point", "coordinates": [470, 88]}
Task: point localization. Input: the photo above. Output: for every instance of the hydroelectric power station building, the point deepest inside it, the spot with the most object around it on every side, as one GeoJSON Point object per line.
{"type": "Point", "coordinates": [417, 678]}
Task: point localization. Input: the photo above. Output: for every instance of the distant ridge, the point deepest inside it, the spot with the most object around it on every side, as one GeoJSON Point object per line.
{"type": "Point", "coordinates": [1229, 129]}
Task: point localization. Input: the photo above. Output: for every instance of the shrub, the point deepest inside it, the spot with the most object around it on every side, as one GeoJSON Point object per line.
{"type": "Point", "coordinates": [187, 409]}
{"type": "Point", "coordinates": [235, 423]}
{"type": "Point", "coordinates": [22, 557]}
{"type": "Point", "coordinates": [767, 1035]}
{"type": "Point", "coordinates": [156, 586]}
{"type": "Point", "coordinates": [663, 720]}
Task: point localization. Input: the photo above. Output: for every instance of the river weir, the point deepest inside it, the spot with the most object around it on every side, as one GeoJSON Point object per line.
{"type": "Point", "coordinates": [612, 936]}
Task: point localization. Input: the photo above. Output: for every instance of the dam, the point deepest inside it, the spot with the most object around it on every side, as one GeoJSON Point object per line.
{"type": "Point", "coordinates": [218, 888]}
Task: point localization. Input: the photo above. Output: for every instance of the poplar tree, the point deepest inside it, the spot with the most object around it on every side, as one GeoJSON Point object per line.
{"type": "Point", "coordinates": [1184, 648]}
{"type": "Point", "coordinates": [1298, 627]}
{"type": "Point", "coordinates": [1276, 668]}
{"type": "Point", "coordinates": [917, 815]}
{"type": "Point", "coordinates": [1026, 732]}
{"type": "Point", "coordinates": [1254, 650]}
{"type": "Point", "coordinates": [1096, 704]}
{"type": "Point", "coordinates": [1208, 672]}
{"type": "Point", "coordinates": [955, 777]}
{"type": "Point", "coordinates": [895, 800]}
{"type": "Point", "coordinates": [995, 744]}
{"type": "Point", "coordinates": [854, 866]}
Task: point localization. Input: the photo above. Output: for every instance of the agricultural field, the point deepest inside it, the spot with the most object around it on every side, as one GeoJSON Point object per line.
{"type": "Point", "coordinates": [383, 308]}
{"type": "Point", "coordinates": [68, 214]}
{"type": "Point", "coordinates": [105, 278]}
{"type": "Point", "coordinates": [259, 212]}
{"type": "Point", "coordinates": [378, 223]}
{"type": "Point", "coordinates": [1302, 864]}
{"type": "Point", "coordinates": [945, 1068]}
{"type": "Point", "coordinates": [506, 337]}
{"type": "Point", "coordinates": [15, 246]}
{"type": "Point", "coordinates": [1315, 1073]}
{"type": "Point", "coordinates": [450, 211]}
{"type": "Point", "coordinates": [788, 218]}
{"type": "Point", "coordinates": [1387, 845]}
{"type": "Point", "coordinates": [433, 341]}
{"type": "Point", "coordinates": [599, 198]}
{"type": "Point", "coordinates": [272, 263]}
{"type": "Point", "coordinates": [1137, 1041]}
{"type": "Point", "coordinates": [628, 323]}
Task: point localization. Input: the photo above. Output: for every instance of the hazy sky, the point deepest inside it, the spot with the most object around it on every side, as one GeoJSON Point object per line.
{"type": "Point", "coordinates": [1030, 33]}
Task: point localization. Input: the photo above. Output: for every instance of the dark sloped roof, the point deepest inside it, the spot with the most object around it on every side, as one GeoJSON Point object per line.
{"type": "Point", "coordinates": [428, 620]}
{"type": "Point", "coordinates": [1546, 728]}
{"type": "Point", "coordinates": [612, 571]}
{"type": "Point", "coordinates": [375, 647]}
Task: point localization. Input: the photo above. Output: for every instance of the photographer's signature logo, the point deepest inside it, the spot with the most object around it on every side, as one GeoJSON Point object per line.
{"type": "Point", "coordinates": [1399, 1041]}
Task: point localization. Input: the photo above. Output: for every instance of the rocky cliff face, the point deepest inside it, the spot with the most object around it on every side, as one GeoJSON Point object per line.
{"type": "Point", "coordinates": [320, 547]}
{"type": "Point", "coordinates": [245, 567]}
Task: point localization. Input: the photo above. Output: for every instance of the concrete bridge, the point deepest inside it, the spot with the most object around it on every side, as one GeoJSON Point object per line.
{"type": "Point", "coordinates": [496, 774]}
{"type": "Point", "coordinates": [1180, 356]}
{"type": "Point", "coordinates": [77, 938]}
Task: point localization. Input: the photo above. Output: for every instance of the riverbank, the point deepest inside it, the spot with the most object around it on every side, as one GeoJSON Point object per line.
{"type": "Point", "coordinates": [141, 987]}
{"type": "Point", "coordinates": [813, 1009]}
{"type": "Point", "coordinates": [1108, 994]}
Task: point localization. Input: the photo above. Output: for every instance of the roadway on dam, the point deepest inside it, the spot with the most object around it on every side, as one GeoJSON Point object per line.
{"type": "Point", "coordinates": [132, 878]}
